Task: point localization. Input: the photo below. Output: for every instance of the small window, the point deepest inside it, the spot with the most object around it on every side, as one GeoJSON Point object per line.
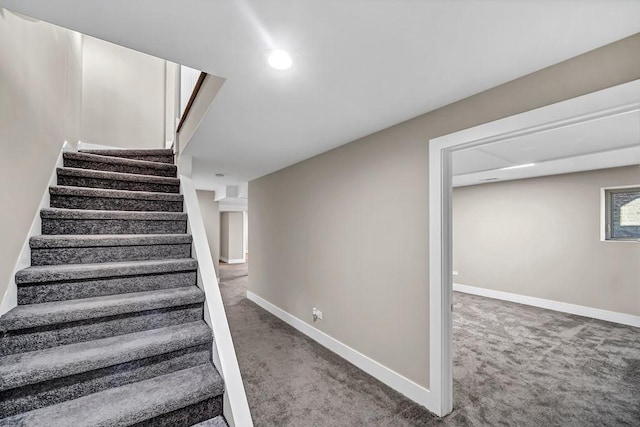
{"type": "Point", "coordinates": [622, 213]}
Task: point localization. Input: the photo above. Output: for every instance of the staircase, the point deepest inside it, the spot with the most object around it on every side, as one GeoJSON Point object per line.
{"type": "Point", "coordinates": [109, 327]}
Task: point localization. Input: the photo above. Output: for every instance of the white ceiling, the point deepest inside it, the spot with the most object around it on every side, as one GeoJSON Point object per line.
{"type": "Point", "coordinates": [597, 144]}
{"type": "Point", "coordinates": [359, 65]}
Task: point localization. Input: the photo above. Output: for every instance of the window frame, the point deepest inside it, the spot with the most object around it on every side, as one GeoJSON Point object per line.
{"type": "Point", "coordinates": [606, 210]}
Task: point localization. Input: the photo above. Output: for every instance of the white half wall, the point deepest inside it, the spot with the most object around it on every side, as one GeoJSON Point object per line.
{"type": "Point", "coordinates": [211, 218]}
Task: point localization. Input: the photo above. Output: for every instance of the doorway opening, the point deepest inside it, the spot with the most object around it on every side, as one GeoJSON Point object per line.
{"type": "Point", "coordinates": [609, 103]}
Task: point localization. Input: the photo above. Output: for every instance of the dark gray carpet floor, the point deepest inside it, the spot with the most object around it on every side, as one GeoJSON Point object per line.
{"type": "Point", "coordinates": [513, 365]}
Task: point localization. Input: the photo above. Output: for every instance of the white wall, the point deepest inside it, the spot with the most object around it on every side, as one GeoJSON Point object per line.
{"type": "Point", "coordinates": [540, 237]}
{"type": "Point", "coordinates": [347, 231]}
{"type": "Point", "coordinates": [40, 101]}
{"type": "Point", "coordinates": [123, 96]}
{"type": "Point", "coordinates": [55, 86]}
{"type": "Point", "coordinates": [211, 217]}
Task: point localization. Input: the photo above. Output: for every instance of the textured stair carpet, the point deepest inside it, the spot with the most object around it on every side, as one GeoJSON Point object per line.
{"type": "Point", "coordinates": [513, 365]}
{"type": "Point", "coordinates": [109, 328]}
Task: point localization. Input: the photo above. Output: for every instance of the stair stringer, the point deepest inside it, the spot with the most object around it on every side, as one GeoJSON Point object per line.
{"type": "Point", "coordinates": [236, 408]}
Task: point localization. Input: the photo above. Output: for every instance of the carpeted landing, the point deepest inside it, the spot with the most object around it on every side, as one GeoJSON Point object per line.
{"type": "Point", "coordinates": [513, 365]}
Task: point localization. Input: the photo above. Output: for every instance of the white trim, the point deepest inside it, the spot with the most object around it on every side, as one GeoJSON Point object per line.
{"type": "Point", "coordinates": [580, 310]}
{"type": "Point", "coordinates": [603, 214]}
{"type": "Point", "coordinates": [391, 378]}
{"type": "Point", "coordinates": [235, 408]}
{"type": "Point", "coordinates": [10, 299]}
{"type": "Point", "coordinates": [233, 261]}
{"type": "Point", "coordinates": [608, 102]}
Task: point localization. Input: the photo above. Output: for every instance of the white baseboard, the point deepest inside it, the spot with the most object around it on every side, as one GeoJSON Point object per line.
{"type": "Point", "coordinates": [10, 298]}
{"type": "Point", "coordinates": [594, 313]}
{"type": "Point", "coordinates": [413, 391]}
{"type": "Point", "coordinates": [233, 261]}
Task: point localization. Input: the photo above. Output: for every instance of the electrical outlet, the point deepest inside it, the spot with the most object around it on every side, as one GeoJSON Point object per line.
{"type": "Point", "coordinates": [317, 314]}
{"type": "Point", "coordinates": [455, 272]}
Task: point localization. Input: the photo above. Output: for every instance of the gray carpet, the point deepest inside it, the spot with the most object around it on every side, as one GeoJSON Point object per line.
{"type": "Point", "coordinates": [109, 327]}
{"type": "Point", "coordinates": [513, 365]}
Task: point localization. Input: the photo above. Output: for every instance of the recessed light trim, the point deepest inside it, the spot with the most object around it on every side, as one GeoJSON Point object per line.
{"type": "Point", "coordinates": [527, 165]}
{"type": "Point", "coordinates": [280, 59]}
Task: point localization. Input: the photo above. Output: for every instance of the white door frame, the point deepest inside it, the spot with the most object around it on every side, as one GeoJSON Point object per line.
{"type": "Point", "coordinates": [608, 102]}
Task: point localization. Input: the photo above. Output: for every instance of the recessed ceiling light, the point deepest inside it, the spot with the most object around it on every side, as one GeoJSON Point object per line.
{"type": "Point", "coordinates": [219, 175]}
{"type": "Point", "coordinates": [528, 165]}
{"type": "Point", "coordinates": [280, 59]}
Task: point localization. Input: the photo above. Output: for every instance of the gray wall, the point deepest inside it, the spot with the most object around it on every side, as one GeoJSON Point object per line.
{"type": "Point", "coordinates": [540, 237]}
{"type": "Point", "coordinates": [40, 98]}
{"type": "Point", "coordinates": [224, 235]}
{"type": "Point", "coordinates": [347, 231]}
{"type": "Point", "coordinates": [211, 217]}
{"type": "Point", "coordinates": [123, 96]}
{"type": "Point", "coordinates": [232, 235]}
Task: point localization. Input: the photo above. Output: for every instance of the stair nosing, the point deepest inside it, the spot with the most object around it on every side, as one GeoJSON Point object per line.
{"type": "Point", "coordinates": [54, 273]}
{"type": "Point", "coordinates": [117, 176]}
{"type": "Point", "coordinates": [87, 214]}
{"type": "Point", "coordinates": [30, 316]}
{"type": "Point", "coordinates": [195, 384]}
{"type": "Point", "coordinates": [103, 193]}
{"type": "Point", "coordinates": [51, 241]}
{"type": "Point", "coordinates": [119, 160]}
{"type": "Point", "coordinates": [21, 369]}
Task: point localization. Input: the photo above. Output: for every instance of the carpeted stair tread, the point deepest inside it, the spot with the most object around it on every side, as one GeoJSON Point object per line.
{"type": "Point", "coordinates": [89, 249]}
{"type": "Point", "coordinates": [51, 313]}
{"type": "Point", "coordinates": [118, 176]}
{"type": "Point", "coordinates": [61, 190]}
{"type": "Point", "coordinates": [83, 240]}
{"type": "Point", "coordinates": [101, 158]}
{"type": "Point", "coordinates": [113, 221]}
{"type": "Point", "coordinates": [79, 214]}
{"type": "Point", "coordinates": [68, 272]}
{"type": "Point", "coordinates": [152, 155]}
{"type": "Point", "coordinates": [109, 326]}
{"type": "Point", "coordinates": [218, 421]}
{"type": "Point", "coordinates": [18, 370]}
{"type": "Point", "coordinates": [129, 404]}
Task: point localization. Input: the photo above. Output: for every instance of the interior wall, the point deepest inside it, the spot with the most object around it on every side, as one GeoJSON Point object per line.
{"type": "Point", "coordinates": [211, 217]}
{"type": "Point", "coordinates": [347, 231]}
{"type": "Point", "coordinates": [224, 235]}
{"type": "Point", "coordinates": [232, 236]}
{"type": "Point", "coordinates": [236, 235]}
{"type": "Point", "coordinates": [40, 101]}
{"type": "Point", "coordinates": [123, 96]}
{"type": "Point", "coordinates": [540, 237]}
{"type": "Point", "coordinates": [245, 233]}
